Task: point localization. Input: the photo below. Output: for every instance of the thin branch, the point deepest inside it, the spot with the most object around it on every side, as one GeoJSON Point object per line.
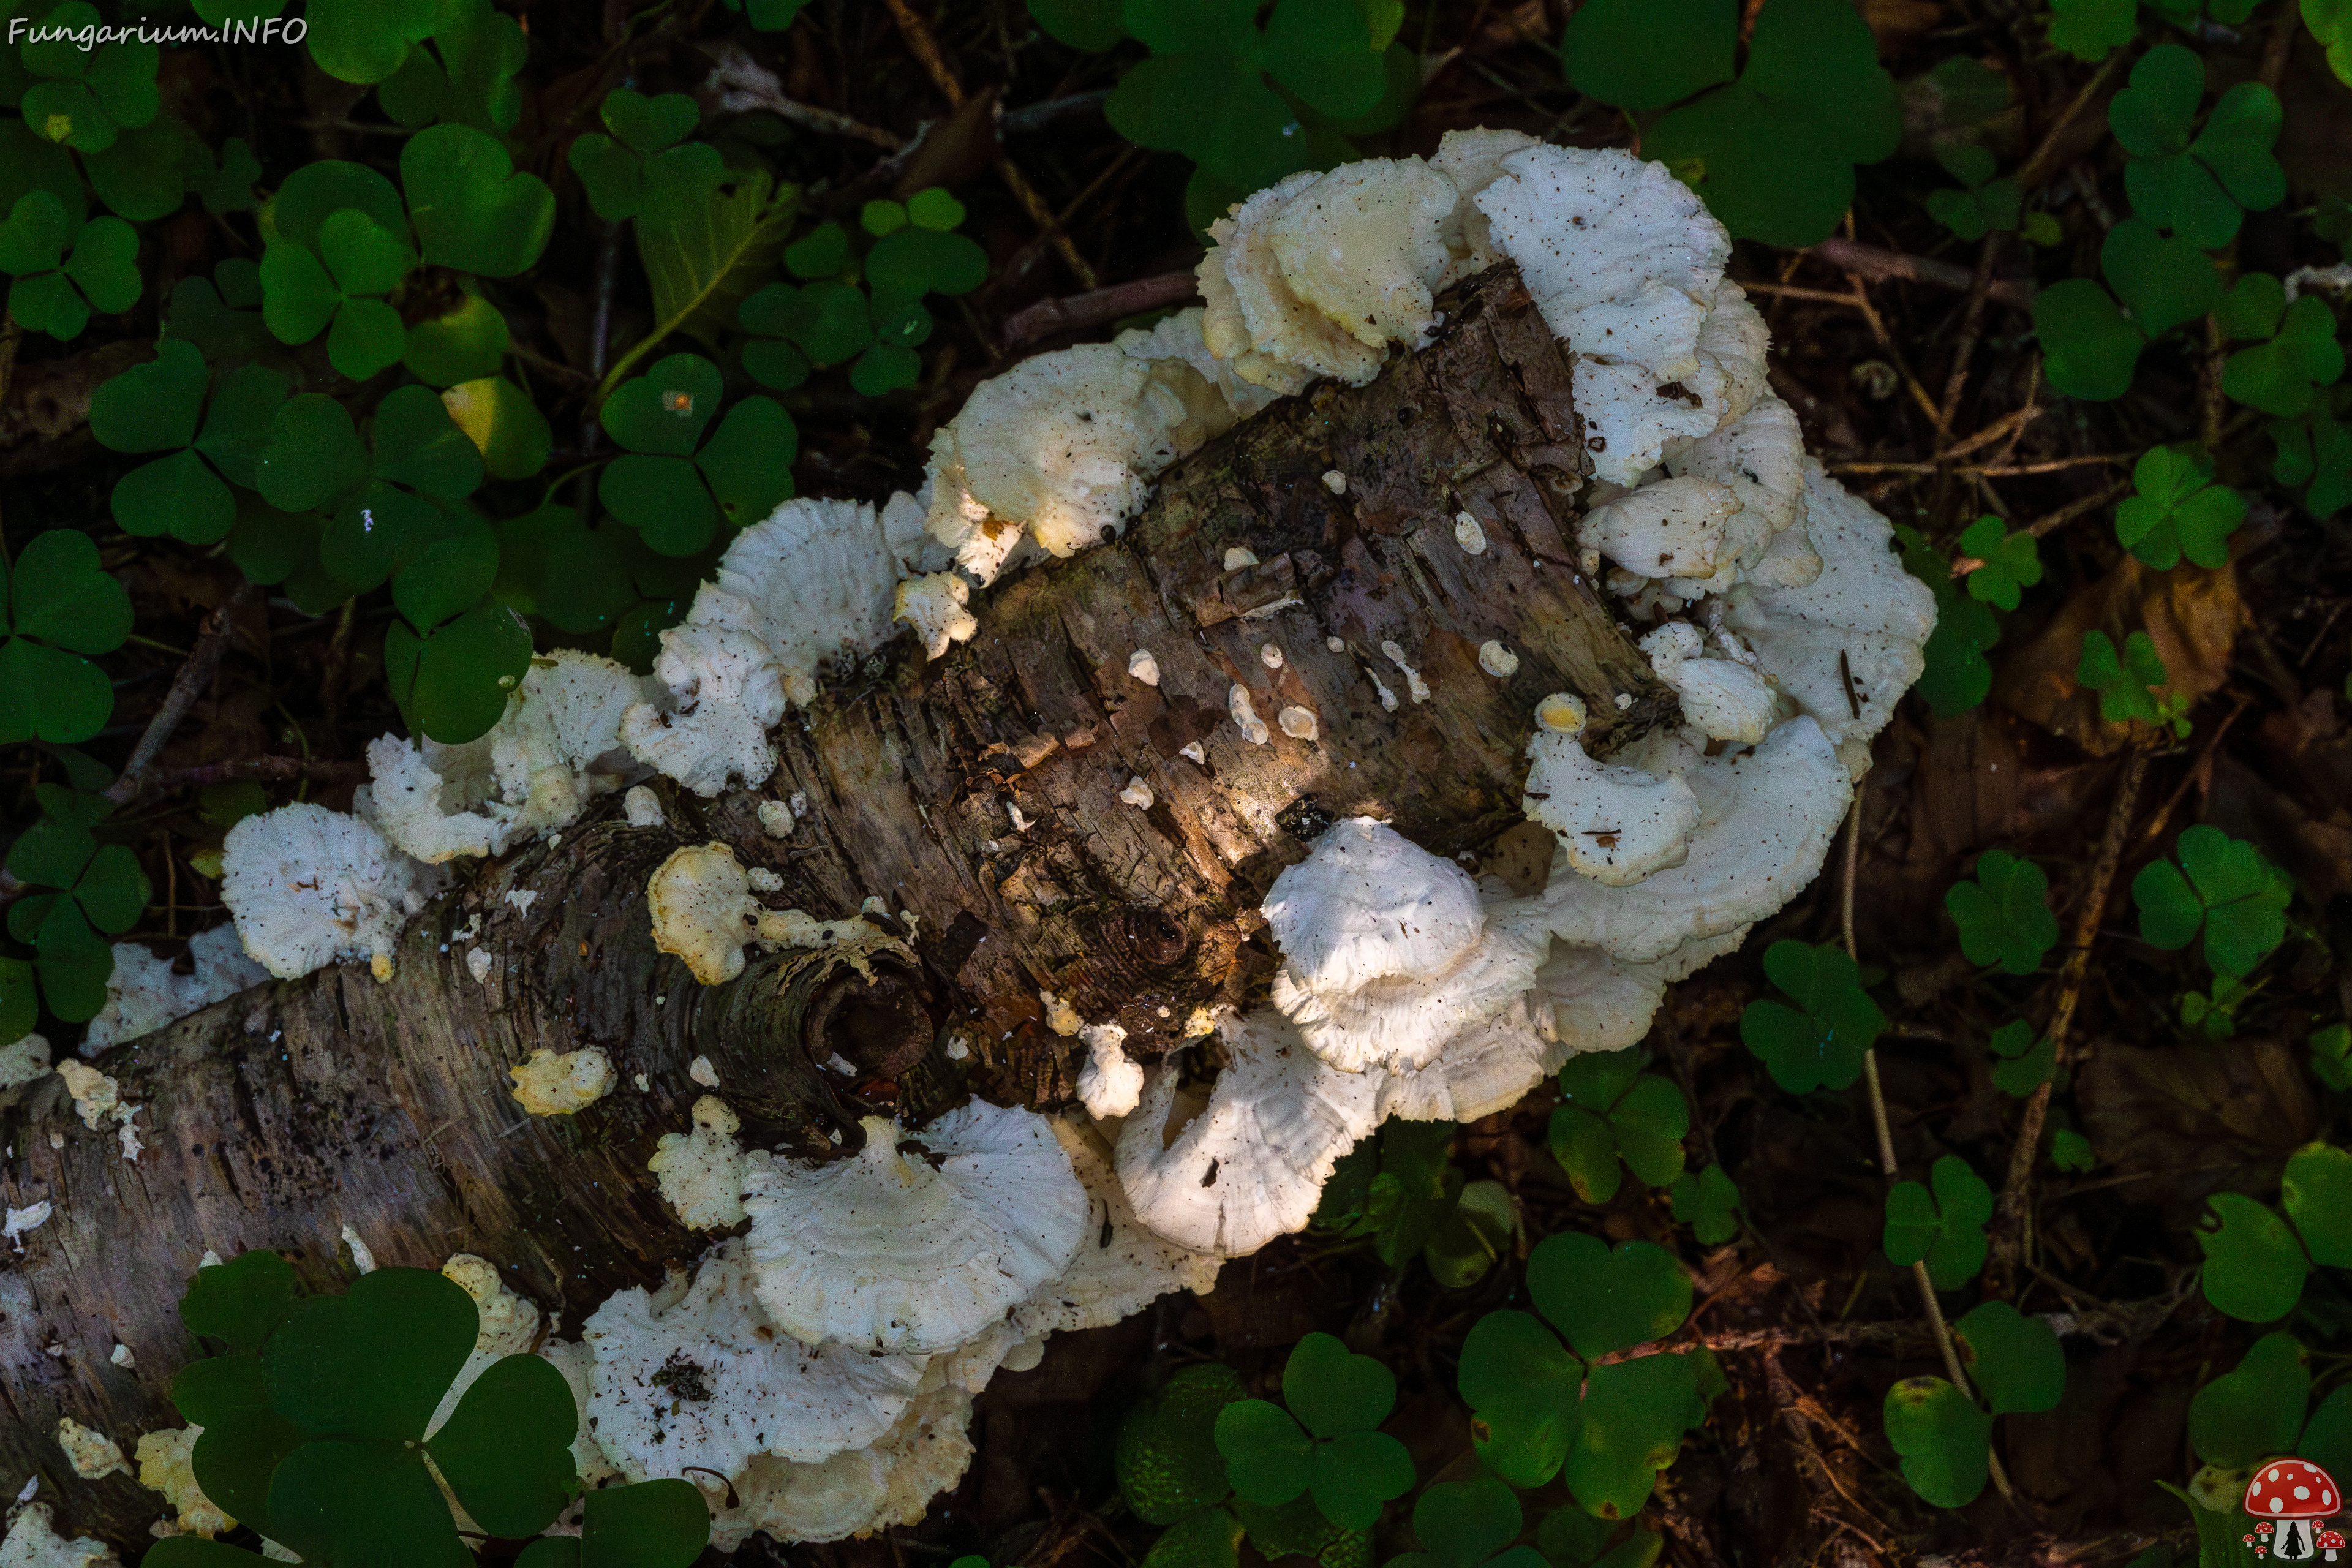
{"type": "Point", "coordinates": [1079, 312]}
{"type": "Point", "coordinates": [267, 770]}
{"type": "Point", "coordinates": [1927, 1302]}
{"type": "Point", "coordinates": [2044, 163]}
{"type": "Point", "coordinates": [187, 687]}
{"type": "Point", "coordinates": [926, 50]}
{"type": "Point", "coordinates": [1880, 265]}
{"type": "Point", "coordinates": [2016, 1188]}
{"type": "Point", "coordinates": [1956, 380]}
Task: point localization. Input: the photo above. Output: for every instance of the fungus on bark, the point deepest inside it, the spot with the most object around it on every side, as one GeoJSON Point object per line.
{"type": "Point", "coordinates": [308, 886]}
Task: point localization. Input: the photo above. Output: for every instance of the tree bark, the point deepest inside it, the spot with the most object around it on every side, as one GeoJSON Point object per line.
{"type": "Point", "coordinates": [281, 1116]}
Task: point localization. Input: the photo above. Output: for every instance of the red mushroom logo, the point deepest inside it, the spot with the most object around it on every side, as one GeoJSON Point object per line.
{"type": "Point", "coordinates": [2330, 1543]}
{"type": "Point", "coordinates": [2292, 1496]}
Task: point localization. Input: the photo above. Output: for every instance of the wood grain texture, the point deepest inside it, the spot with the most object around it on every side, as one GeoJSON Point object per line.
{"type": "Point", "coordinates": [277, 1117]}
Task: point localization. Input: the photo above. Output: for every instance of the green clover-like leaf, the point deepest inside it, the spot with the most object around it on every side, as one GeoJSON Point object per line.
{"type": "Point", "coordinates": [1610, 1107]}
{"type": "Point", "coordinates": [1604, 1299]}
{"type": "Point", "coordinates": [2297, 353]}
{"type": "Point", "coordinates": [2331, 1055]}
{"type": "Point", "coordinates": [473, 212]}
{"type": "Point", "coordinates": [1945, 1228]}
{"type": "Point", "coordinates": [2089, 347]}
{"type": "Point", "coordinates": [505, 1451]}
{"type": "Point", "coordinates": [153, 407]}
{"type": "Point", "coordinates": [2125, 679]}
{"type": "Point", "coordinates": [2317, 1193]}
{"type": "Point", "coordinates": [240, 1302]}
{"type": "Point", "coordinates": [1636, 1413]}
{"type": "Point", "coordinates": [1818, 1043]}
{"type": "Point", "coordinates": [2178, 511]}
{"type": "Point", "coordinates": [2011, 562]}
{"type": "Point", "coordinates": [2093, 29]}
{"type": "Point", "coordinates": [371, 1364]}
{"type": "Point", "coordinates": [363, 1503]}
{"type": "Point", "coordinates": [90, 96]}
{"type": "Point", "coordinates": [453, 681]}
{"type": "Point", "coordinates": [642, 162]}
{"type": "Point", "coordinates": [1708, 1202]}
{"type": "Point", "coordinates": [465, 344]}
{"type": "Point", "coordinates": [2004, 915]}
{"type": "Point", "coordinates": [2255, 1410]}
{"type": "Point", "coordinates": [61, 607]}
{"type": "Point", "coordinates": [1943, 1437]}
{"type": "Point", "coordinates": [1165, 1454]}
{"type": "Point", "coordinates": [1526, 1396]}
{"type": "Point", "coordinates": [2014, 1360]}
{"type": "Point", "coordinates": [2023, 1063]}
{"type": "Point", "coordinates": [2254, 1267]}
{"type": "Point", "coordinates": [2163, 282]}
{"type": "Point", "coordinates": [2223, 884]}
{"type": "Point", "coordinates": [1463, 1524]}
{"type": "Point", "coordinates": [1333, 1391]}
{"type": "Point", "coordinates": [465, 73]}
{"type": "Point", "coordinates": [53, 289]}
{"type": "Point", "coordinates": [1773, 152]}
{"type": "Point", "coordinates": [2315, 452]}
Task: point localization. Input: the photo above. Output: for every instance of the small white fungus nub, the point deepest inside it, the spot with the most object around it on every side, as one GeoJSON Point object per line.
{"type": "Point", "coordinates": [700, 1070]}
{"type": "Point", "coordinates": [1238, 556]}
{"type": "Point", "coordinates": [32, 1542]}
{"type": "Point", "coordinates": [1299, 723]}
{"type": "Point", "coordinates": [775, 819]}
{"type": "Point", "coordinates": [1468, 534]}
{"type": "Point", "coordinates": [883, 1252]}
{"type": "Point", "coordinates": [1111, 1083]}
{"type": "Point", "coordinates": [1270, 655]}
{"type": "Point", "coordinates": [1497, 660]}
{"type": "Point", "coordinates": [1244, 714]}
{"type": "Point", "coordinates": [1143, 667]}
{"type": "Point", "coordinates": [1060, 1017]}
{"type": "Point", "coordinates": [1138, 793]}
{"type": "Point", "coordinates": [700, 1173]}
{"type": "Point", "coordinates": [479, 963]}
{"type": "Point", "coordinates": [23, 1222]}
{"type": "Point", "coordinates": [1413, 683]}
{"type": "Point", "coordinates": [1193, 749]}
{"type": "Point", "coordinates": [559, 1085]}
{"type": "Point", "coordinates": [167, 1464]}
{"type": "Point", "coordinates": [641, 807]}
{"type": "Point", "coordinates": [1335, 481]}
{"type": "Point", "coordinates": [143, 994]}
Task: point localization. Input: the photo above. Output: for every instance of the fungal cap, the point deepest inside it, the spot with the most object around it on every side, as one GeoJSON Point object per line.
{"type": "Point", "coordinates": [308, 886]}
{"type": "Point", "coordinates": [934, 606]}
{"type": "Point", "coordinates": [884, 1253]}
{"type": "Point", "coordinates": [701, 901]}
{"type": "Point", "coordinates": [1368, 902]}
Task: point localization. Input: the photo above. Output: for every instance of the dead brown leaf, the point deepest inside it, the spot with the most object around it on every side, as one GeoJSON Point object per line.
{"type": "Point", "coordinates": [2192, 616]}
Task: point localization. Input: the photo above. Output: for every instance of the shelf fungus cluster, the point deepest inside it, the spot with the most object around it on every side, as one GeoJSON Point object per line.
{"type": "Point", "coordinates": [815, 1372]}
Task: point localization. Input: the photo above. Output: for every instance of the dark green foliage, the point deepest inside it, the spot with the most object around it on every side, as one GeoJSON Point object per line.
{"type": "Point", "coordinates": [1326, 1444]}
{"type": "Point", "coordinates": [315, 1431]}
{"type": "Point", "coordinates": [2220, 885]}
{"type": "Point", "coordinates": [2295, 351]}
{"type": "Point", "coordinates": [1399, 1190]}
{"type": "Point", "coordinates": [1540, 1409]}
{"type": "Point", "coordinates": [2004, 916]}
{"type": "Point", "coordinates": [1946, 1228]}
{"type": "Point", "coordinates": [2022, 1062]}
{"type": "Point", "coordinates": [1611, 1109]}
{"type": "Point", "coordinates": [1708, 1202]}
{"type": "Point", "coordinates": [2198, 183]}
{"type": "Point", "coordinates": [1819, 1042]}
{"type": "Point", "coordinates": [674, 487]}
{"type": "Point", "coordinates": [1771, 151]}
{"type": "Point", "coordinates": [59, 608]}
{"type": "Point", "coordinates": [2127, 681]}
{"type": "Point", "coordinates": [2177, 510]}
{"type": "Point", "coordinates": [1957, 674]}
{"type": "Point", "coordinates": [64, 270]}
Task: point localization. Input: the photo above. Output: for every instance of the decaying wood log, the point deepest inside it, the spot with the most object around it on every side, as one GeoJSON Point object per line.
{"type": "Point", "coordinates": [280, 1117]}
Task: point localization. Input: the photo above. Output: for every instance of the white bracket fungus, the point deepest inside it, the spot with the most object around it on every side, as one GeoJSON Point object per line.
{"type": "Point", "coordinates": [882, 1252]}
{"type": "Point", "coordinates": [1615, 824]}
{"type": "Point", "coordinates": [32, 1542]}
{"type": "Point", "coordinates": [1722, 699]}
{"type": "Point", "coordinates": [709, 1380]}
{"type": "Point", "coordinates": [554, 748]}
{"type": "Point", "coordinates": [1299, 723]}
{"type": "Point", "coordinates": [559, 1085]}
{"type": "Point", "coordinates": [1122, 1267]}
{"type": "Point", "coordinates": [1469, 534]}
{"type": "Point", "coordinates": [1671, 529]}
{"type": "Point", "coordinates": [1138, 793]}
{"type": "Point", "coordinates": [143, 994]}
{"type": "Point", "coordinates": [167, 1464]}
{"type": "Point", "coordinates": [309, 886]}
{"type": "Point", "coordinates": [1413, 683]}
{"type": "Point", "coordinates": [700, 1173]}
{"type": "Point", "coordinates": [934, 606]}
{"type": "Point", "coordinates": [724, 696]}
{"type": "Point", "coordinates": [1497, 660]}
{"type": "Point", "coordinates": [1143, 667]}
{"type": "Point", "coordinates": [1388, 952]}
